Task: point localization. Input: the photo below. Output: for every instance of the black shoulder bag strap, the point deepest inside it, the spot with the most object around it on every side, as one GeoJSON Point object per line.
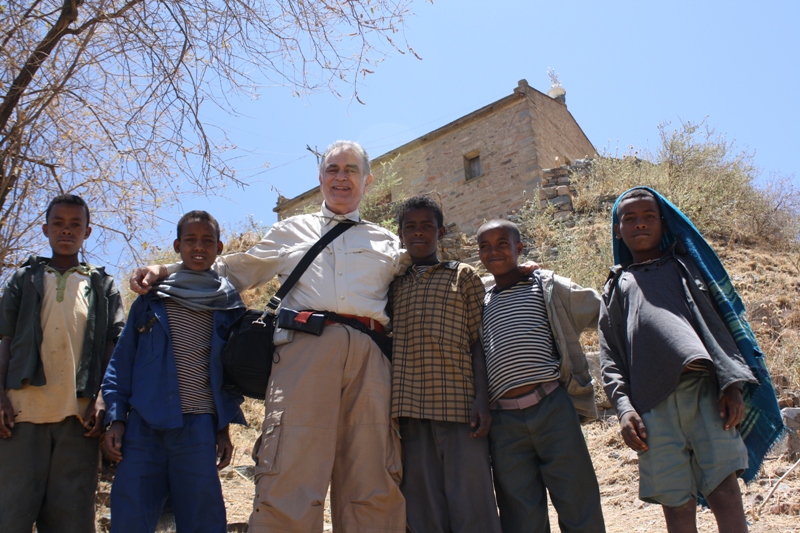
{"type": "Point", "coordinates": [305, 262]}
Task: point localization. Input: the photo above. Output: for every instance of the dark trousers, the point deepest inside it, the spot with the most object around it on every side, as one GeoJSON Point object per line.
{"type": "Point", "coordinates": [538, 450]}
{"type": "Point", "coordinates": [447, 479]}
{"type": "Point", "coordinates": [49, 476]}
{"type": "Point", "coordinates": [180, 462]}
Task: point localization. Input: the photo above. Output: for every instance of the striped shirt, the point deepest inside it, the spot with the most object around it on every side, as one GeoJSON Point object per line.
{"type": "Point", "coordinates": [517, 338]}
{"type": "Point", "coordinates": [191, 332]}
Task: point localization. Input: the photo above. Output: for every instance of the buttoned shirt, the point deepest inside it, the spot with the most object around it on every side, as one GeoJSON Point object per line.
{"type": "Point", "coordinates": [350, 276]}
{"type": "Point", "coordinates": [65, 308]}
{"type": "Point", "coordinates": [436, 318]}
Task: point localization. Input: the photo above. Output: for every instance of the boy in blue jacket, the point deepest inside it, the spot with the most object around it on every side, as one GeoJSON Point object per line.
{"type": "Point", "coordinates": [167, 411]}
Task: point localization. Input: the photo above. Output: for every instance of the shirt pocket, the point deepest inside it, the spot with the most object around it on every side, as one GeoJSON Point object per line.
{"type": "Point", "coordinates": [368, 257]}
{"type": "Point", "coordinates": [150, 339]}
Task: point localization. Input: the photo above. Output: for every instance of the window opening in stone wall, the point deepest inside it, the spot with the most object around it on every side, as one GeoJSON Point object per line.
{"type": "Point", "coordinates": [472, 165]}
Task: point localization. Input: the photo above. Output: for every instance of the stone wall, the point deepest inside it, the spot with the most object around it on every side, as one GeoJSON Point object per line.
{"type": "Point", "coordinates": [504, 142]}
{"type": "Point", "coordinates": [513, 137]}
{"type": "Point", "coordinates": [557, 191]}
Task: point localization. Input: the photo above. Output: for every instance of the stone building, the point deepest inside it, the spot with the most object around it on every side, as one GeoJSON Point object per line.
{"type": "Point", "coordinates": [484, 165]}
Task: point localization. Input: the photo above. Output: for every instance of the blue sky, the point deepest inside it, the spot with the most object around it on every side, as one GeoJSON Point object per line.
{"type": "Point", "coordinates": [626, 67]}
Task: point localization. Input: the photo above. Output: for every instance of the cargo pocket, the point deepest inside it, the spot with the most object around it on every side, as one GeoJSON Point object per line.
{"type": "Point", "coordinates": [268, 455]}
{"type": "Point", "coordinates": [394, 453]}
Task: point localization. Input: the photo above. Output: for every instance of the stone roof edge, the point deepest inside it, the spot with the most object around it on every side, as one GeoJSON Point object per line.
{"type": "Point", "coordinates": [519, 92]}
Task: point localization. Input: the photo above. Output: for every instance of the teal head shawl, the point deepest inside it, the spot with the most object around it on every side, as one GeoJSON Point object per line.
{"type": "Point", "coordinates": [762, 424]}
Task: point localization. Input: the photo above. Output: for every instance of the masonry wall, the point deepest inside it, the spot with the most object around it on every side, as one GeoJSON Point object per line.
{"type": "Point", "coordinates": [504, 141]}
{"type": "Point", "coordinates": [557, 134]}
{"type": "Point", "coordinates": [515, 138]}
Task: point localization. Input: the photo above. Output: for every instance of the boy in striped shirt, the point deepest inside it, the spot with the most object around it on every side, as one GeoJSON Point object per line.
{"type": "Point", "coordinates": [535, 363]}
{"type": "Point", "coordinates": [168, 412]}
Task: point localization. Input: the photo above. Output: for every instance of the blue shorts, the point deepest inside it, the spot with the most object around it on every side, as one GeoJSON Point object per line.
{"type": "Point", "coordinates": [689, 451]}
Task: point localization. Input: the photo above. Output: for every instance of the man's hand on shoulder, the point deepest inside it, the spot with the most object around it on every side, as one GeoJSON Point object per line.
{"type": "Point", "coordinates": [633, 431]}
{"type": "Point", "coordinates": [731, 407]}
{"type": "Point", "coordinates": [6, 416]}
{"type": "Point", "coordinates": [143, 278]}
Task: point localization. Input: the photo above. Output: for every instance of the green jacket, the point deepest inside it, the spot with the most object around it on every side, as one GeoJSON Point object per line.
{"type": "Point", "coordinates": [571, 309]}
{"type": "Point", "coordinates": [20, 318]}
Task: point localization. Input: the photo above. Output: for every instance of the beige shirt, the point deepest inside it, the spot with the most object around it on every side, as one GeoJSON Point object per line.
{"type": "Point", "coordinates": [65, 306]}
{"type": "Point", "coordinates": [350, 276]}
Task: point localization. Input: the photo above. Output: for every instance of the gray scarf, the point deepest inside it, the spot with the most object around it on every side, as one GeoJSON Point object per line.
{"type": "Point", "coordinates": [200, 291]}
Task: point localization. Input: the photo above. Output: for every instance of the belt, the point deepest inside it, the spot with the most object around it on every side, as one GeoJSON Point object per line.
{"type": "Point", "coordinates": [371, 323]}
{"type": "Point", "coordinates": [529, 400]}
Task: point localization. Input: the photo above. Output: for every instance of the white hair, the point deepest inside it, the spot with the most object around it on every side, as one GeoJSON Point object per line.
{"type": "Point", "coordinates": [344, 145]}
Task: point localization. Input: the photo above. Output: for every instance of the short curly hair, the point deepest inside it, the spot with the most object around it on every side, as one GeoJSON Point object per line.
{"type": "Point", "coordinates": [420, 202]}
{"type": "Point", "coordinates": [195, 216]}
{"type": "Point", "coordinates": [68, 199]}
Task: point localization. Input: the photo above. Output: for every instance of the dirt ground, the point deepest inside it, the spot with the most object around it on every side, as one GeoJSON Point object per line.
{"type": "Point", "coordinates": [616, 472]}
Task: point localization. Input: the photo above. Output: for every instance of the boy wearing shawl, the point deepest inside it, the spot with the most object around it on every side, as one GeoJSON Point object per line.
{"type": "Point", "coordinates": [168, 412]}
{"type": "Point", "coordinates": [681, 365]}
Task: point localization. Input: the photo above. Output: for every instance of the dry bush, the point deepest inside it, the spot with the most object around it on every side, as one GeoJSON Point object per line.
{"type": "Point", "coordinates": [377, 205]}
{"type": "Point", "coordinates": [580, 250]}
{"type": "Point", "coordinates": [712, 183]}
{"type": "Point", "coordinates": [782, 359]}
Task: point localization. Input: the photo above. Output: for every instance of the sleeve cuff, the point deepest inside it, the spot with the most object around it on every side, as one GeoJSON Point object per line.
{"type": "Point", "coordinates": [115, 410]}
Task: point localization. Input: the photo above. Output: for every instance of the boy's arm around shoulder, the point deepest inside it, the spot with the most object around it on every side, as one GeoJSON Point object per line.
{"type": "Point", "coordinates": [117, 386]}
{"type": "Point", "coordinates": [582, 304]}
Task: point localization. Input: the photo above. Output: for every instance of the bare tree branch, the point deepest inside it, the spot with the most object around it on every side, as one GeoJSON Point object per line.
{"type": "Point", "coordinates": [107, 98]}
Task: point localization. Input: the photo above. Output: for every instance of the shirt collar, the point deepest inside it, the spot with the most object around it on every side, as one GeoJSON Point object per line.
{"type": "Point", "coordinates": [331, 216]}
{"type": "Point", "coordinates": [83, 269]}
{"type": "Point", "coordinates": [527, 280]}
{"type": "Point", "coordinates": [450, 265]}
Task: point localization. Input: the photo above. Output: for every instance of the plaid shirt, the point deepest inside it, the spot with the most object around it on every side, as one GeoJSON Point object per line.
{"type": "Point", "coordinates": [436, 318]}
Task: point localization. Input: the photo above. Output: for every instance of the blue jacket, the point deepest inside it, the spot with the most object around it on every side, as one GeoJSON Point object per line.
{"type": "Point", "coordinates": [142, 374]}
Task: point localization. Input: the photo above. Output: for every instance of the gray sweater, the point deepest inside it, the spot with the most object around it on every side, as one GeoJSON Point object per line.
{"type": "Point", "coordinates": [655, 319]}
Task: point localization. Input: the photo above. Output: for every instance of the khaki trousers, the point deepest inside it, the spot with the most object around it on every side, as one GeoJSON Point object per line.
{"type": "Point", "coordinates": [327, 421]}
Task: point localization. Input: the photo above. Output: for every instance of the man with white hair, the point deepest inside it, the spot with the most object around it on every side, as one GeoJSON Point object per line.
{"type": "Point", "coordinates": [327, 403]}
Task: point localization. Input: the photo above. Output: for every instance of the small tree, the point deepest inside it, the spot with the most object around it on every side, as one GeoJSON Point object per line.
{"type": "Point", "coordinates": [105, 98]}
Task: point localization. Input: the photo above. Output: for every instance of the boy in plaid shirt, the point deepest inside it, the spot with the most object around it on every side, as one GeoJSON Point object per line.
{"type": "Point", "coordinates": [439, 388]}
